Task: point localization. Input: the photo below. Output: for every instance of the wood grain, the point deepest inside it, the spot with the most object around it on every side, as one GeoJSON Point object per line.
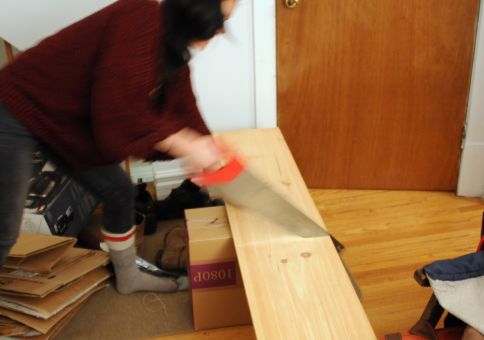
{"type": "Point", "coordinates": [389, 234]}
{"type": "Point", "coordinates": [296, 287]}
{"type": "Point", "coordinates": [373, 94]}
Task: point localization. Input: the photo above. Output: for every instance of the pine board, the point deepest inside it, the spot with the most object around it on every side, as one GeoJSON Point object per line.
{"type": "Point", "coordinates": [297, 288]}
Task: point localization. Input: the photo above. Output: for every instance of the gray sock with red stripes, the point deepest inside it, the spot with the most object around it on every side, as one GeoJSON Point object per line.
{"type": "Point", "coordinates": [129, 278]}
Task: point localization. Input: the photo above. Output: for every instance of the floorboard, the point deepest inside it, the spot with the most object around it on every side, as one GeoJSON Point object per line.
{"type": "Point", "coordinates": [388, 235]}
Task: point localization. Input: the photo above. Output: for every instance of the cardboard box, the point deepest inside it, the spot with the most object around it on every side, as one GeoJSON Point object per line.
{"type": "Point", "coordinates": [218, 294]}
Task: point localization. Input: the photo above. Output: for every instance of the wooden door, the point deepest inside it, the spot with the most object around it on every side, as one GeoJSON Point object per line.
{"type": "Point", "coordinates": [373, 93]}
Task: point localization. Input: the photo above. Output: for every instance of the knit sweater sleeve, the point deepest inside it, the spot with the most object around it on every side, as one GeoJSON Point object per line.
{"type": "Point", "coordinates": [183, 110]}
{"type": "Point", "coordinates": [187, 105]}
{"type": "Point", "coordinates": [124, 119]}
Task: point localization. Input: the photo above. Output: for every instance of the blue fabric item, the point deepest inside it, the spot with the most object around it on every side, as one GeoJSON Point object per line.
{"type": "Point", "coordinates": [462, 268]}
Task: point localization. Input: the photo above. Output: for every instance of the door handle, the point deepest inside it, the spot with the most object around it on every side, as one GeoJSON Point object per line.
{"type": "Point", "coordinates": [291, 3]}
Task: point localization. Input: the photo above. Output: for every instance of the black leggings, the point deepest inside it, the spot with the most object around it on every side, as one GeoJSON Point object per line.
{"type": "Point", "coordinates": [110, 184]}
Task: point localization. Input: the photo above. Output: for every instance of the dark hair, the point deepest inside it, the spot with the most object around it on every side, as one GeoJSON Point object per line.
{"type": "Point", "coordinates": [186, 21]}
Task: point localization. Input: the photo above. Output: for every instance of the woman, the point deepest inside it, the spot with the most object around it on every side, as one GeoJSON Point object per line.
{"type": "Point", "coordinates": [113, 85]}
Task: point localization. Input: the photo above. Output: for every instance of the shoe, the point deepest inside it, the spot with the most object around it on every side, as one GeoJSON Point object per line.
{"type": "Point", "coordinates": [173, 256]}
{"type": "Point", "coordinates": [187, 196]}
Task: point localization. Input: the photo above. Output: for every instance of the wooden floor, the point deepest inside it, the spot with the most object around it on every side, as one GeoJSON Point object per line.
{"type": "Point", "coordinates": [388, 235]}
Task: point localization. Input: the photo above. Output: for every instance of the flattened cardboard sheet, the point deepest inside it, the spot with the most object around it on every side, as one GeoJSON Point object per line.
{"type": "Point", "coordinates": [37, 252]}
{"type": "Point", "coordinates": [75, 264]}
{"type": "Point", "coordinates": [53, 303]}
{"type": "Point", "coordinates": [10, 327]}
{"type": "Point", "coordinates": [44, 326]}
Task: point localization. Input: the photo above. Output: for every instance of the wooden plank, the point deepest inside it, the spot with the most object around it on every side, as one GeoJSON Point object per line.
{"type": "Point", "coordinates": [389, 234]}
{"type": "Point", "coordinates": [297, 288]}
{"type": "Point", "coordinates": [232, 333]}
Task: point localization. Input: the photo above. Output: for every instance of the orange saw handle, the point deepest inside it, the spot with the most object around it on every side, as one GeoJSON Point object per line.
{"type": "Point", "coordinates": [232, 168]}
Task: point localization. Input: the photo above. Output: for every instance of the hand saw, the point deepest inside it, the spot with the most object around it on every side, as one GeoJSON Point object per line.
{"type": "Point", "coordinates": [239, 186]}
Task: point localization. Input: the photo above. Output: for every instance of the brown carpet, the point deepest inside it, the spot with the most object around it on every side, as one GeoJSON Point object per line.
{"type": "Point", "coordinates": [109, 315]}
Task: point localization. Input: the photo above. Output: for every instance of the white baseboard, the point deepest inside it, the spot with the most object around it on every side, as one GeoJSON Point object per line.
{"type": "Point", "coordinates": [141, 171]}
{"type": "Point", "coordinates": [167, 176]}
{"type": "Point", "coordinates": [471, 176]}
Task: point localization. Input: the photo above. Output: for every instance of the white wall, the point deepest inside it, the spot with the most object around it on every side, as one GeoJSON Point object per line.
{"type": "Point", "coordinates": [229, 93]}
{"type": "Point", "coordinates": [264, 14]}
{"type": "Point", "coordinates": [223, 74]}
{"type": "Point", "coordinates": [235, 79]}
{"type": "Point", "coordinates": [24, 22]}
{"type": "Point", "coordinates": [471, 176]}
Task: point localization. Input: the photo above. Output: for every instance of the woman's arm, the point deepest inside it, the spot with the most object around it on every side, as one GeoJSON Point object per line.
{"type": "Point", "coordinates": [199, 151]}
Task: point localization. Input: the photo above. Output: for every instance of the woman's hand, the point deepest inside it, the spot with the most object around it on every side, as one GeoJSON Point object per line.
{"type": "Point", "coordinates": [200, 152]}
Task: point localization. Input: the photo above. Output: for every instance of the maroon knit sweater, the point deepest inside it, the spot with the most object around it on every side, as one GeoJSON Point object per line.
{"type": "Point", "coordinates": [85, 91]}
